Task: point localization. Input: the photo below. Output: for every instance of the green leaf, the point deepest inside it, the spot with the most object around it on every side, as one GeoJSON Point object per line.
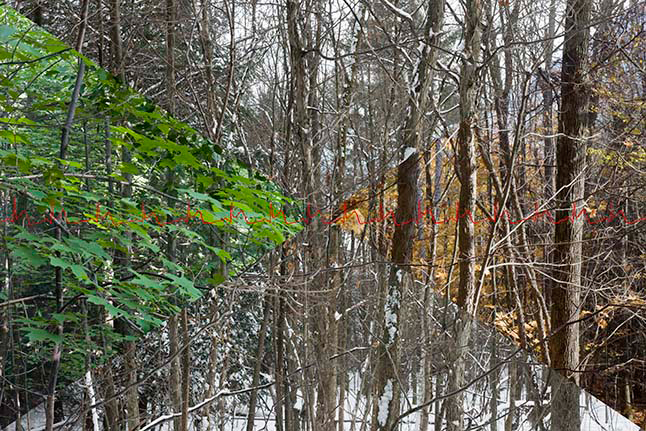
{"type": "Point", "coordinates": [164, 128]}
{"type": "Point", "coordinates": [205, 181]}
{"type": "Point", "coordinates": [186, 286]}
{"type": "Point", "coordinates": [128, 168]}
{"type": "Point", "coordinates": [60, 263]}
{"type": "Point", "coordinates": [14, 137]}
{"type": "Point", "coordinates": [22, 120]}
{"type": "Point", "coordinates": [114, 311]}
{"type": "Point", "coordinates": [223, 254]}
{"type": "Point", "coordinates": [37, 194]}
{"type": "Point", "coordinates": [246, 208]}
{"type": "Point", "coordinates": [70, 163]}
{"type": "Point", "coordinates": [65, 317]}
{"type": "Point", "coordinates": [79, 271]}
{"type": "Point", "coordinates": [6, 31]}
{"type": "Point", "coordinates": [38, 334]}
{"type": "Point", "coordinates": [29, 255]}
{"type": "Point", "coordinates": [217, 279]}
{"type": "Point", "coordinates": [186, 158]}
{"type": "Point", "coordinates": [89, 249]}
{"type": "Point", "coordinates": [142, 280]}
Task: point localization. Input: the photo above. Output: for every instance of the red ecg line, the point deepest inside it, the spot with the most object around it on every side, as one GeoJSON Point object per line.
{"type": "Point", "coordinates": [537, 215]}
{"type": "Point", "coordinates": [16, 217]}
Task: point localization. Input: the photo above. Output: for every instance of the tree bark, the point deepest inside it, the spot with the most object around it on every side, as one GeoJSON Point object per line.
{"type": "Point", "coordinates": [466, 170]}
{"type": "Point", "coordinates": [253, 396]}
{"type": "Point", "coordinates": [58, 277]}
{"type": "Point", "coordinates": [570, 180]}
{"type": "Point", "coordinates": [174, 378]}
{"type": "Point", "coordinates": [387, 388]}
{"type": "Point", "coordinates": [186, 371]}
{"type": "Point", "coordinates": [115, 40]}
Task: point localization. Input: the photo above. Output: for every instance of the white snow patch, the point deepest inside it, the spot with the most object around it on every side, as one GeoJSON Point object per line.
{"type": "Point", "coordinates": [298, 403]}
{"type": "Point", "coordinates": [384, 403]}
{"type": "Point", "coordinates": [391, 324]}
{"type": "Point", "coordinates": [398, 11]}
{"type": "Point", "coordinates": [337, 316]}
{"type": "Point", "coordinates": [392, 303]}
{"type": "Point", "coordinates": [409, 151]}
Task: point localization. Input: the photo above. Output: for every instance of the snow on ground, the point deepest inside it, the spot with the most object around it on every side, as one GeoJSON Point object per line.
{"type": "Point", "coordinates": [596, 416]}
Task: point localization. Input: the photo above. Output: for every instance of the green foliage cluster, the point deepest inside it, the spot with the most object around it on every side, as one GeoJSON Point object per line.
{"type": "Point", "coordinates": [127, 158]}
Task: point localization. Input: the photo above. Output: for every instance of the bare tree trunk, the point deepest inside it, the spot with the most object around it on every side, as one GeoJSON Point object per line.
{"type": "Point", "coordinates": [180, 365]}
{"type": "Point", "coordinates": [129, 347]}
{"type": "Point", "coordinates": [186, 370]}
{"type": "Point", "coordinates": [548, 100]}
{"type": "Point", "coordinates": [495, 379]}
{"type": "Point", "coordinates": [335, 246]}
{"type": "Point", "coordinates": [304, 27]}
{"type": "Point", "coordinates": [207, 52]}
{"type": "Point", "coordinates": [570, 181]}
{"type": "Point", "coordinates": [466, 170]}
{"type": "Point", "coordinates": [512, 393]}
{"type": "Point", "coordinates": [433, 194]}
{"type": "Point", "coordinates": [387, 388]}
{"type": "Point", "coordinates": [253, 396]}
{"type": "Point", "coordinates": [112, 404]}
{"type": "Point", "coordinates": [213, 362]}
{"type": "Point", "coordinates": [174, 378]}
{"type": "Point", "coordinates": [123, 259]}
{"type": "Point", "coordinates": [132, 394]}
{"type": "Point", "coordinates": [115, 39]}
{"type": "Point", "coordinates": [6, 313]}
{"type": "Point", "coordinates": [88, 378]}
{"type": "Point", "coordinates": [279, 322]}
{"type": "Point", "coordinates": [343, 379]}
{"type": "Point", "coordinates": [171, 20]}
{"type": "Point", "coordinates": [58, 281]}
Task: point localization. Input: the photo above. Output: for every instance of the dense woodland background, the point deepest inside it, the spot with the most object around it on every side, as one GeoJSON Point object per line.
{"type": "Point", "coordinates": [370, 106]}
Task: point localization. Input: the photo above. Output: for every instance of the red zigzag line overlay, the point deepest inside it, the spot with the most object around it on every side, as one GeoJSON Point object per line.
{"type": "Point", "coordinates": [574, 215]}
